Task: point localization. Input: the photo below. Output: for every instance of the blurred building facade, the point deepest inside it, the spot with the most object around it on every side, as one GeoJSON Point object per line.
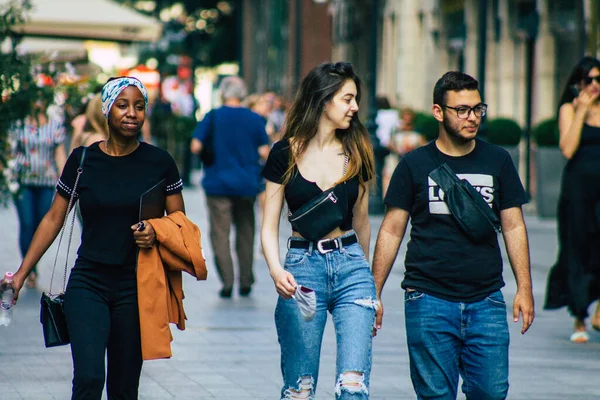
{"type": "Point", "coordinates": [418, 40]}
{"type": "Point", "coordinates": [423, 39]}
{"type": "Point", "coordinates": [282, 41]}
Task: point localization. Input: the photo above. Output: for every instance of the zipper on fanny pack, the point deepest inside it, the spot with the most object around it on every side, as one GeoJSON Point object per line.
{"type": "Point", "coordinates": [331, 197]}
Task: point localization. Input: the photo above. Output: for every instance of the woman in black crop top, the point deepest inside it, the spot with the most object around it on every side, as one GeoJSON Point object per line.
{"type": "Point", "coordinates": [101, 298]}
{"type": "Point", "coordinates": [574, 281]}
{"type": "Point", "coordinates": [322, 131]}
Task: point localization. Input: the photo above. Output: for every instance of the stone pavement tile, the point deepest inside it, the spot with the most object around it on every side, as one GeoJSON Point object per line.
{"type": "Point", "coordinates": [9, 391]}
{"type": "Point", "coordinates": [28, 390]}
{"type": "Point", "coordinates": [183, 390]}
{"type": "Point", "coordinates": [151, 387]}
{"type": "Point", "coordinates": [220, 392]}
{"type": "Point", "coordinates": [258, 387]}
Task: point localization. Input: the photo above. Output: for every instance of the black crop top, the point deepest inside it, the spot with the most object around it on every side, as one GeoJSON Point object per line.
{"type": "Point", "coordinates": [299, 190]}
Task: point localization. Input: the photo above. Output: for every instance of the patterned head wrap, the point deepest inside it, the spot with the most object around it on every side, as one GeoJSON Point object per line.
{"type": "Point", "coordinates": [113, 88]}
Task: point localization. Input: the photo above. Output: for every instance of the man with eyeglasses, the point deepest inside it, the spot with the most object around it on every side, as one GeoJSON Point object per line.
{"type": "Point", "coordinates": [456, 323]}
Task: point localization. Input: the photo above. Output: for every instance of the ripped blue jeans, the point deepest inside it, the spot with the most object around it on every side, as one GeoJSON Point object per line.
{"type": "Point", "coordinates": [344, 286]}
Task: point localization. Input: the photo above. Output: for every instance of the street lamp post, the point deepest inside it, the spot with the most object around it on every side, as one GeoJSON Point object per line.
{"type": "Point", "coordinates": [529, 27]}
{"type": "Point", "coordinates": [376, 206]}
{"type": "Point", "coordinates": [482, 45]}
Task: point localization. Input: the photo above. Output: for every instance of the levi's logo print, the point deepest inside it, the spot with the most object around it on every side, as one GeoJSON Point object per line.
{"type": "Point", "coordinates": [484, 184]}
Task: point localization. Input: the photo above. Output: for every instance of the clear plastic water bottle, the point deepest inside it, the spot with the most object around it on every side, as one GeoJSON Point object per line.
{"type": "Point", "coordinates": [7, 293]}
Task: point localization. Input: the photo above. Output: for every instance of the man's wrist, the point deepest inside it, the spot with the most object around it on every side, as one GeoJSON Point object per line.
{"type": "Point", "coordinates": [524, 287]}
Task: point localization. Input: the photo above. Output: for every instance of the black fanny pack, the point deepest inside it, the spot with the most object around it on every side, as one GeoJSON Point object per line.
{"type": "Point", "coordinates": [472, 214]}
{"type": "Point", "coordinates": [321, 215]}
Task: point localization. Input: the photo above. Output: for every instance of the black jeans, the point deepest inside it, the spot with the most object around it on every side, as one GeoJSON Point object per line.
{"type": "Point", "coordinates": [102, 318]}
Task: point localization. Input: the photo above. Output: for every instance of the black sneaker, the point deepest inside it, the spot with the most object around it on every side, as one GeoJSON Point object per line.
{"type": "Point", "coordinates": [245, 291]}
{"type": "Point", "coordinates": [225, 293]}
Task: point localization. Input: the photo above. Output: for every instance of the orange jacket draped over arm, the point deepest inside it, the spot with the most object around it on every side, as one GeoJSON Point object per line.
{"type": "Point", "coordinates": [160, 282]}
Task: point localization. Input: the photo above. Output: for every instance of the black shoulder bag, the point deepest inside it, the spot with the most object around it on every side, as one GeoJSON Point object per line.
{"type": "Point", "coordinates": [472, 214]}
{"type": "Point", "coordinates": [52, 312]}
{"type": "Point", "coordinates": [321, 214]}
{"type": "Point", "coordinates": [207, 153]}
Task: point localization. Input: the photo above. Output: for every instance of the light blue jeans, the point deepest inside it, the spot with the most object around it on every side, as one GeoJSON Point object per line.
{"type": "Point", "coordinates": [344, 286]}
{"type": "Point", "coordinates": [447, 338]}
{"type": "Point", "coordinates": [32, 203]}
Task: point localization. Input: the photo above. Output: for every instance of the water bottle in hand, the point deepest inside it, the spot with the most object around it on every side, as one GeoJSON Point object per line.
{"type": "Point", "coordinates": [7, 293]}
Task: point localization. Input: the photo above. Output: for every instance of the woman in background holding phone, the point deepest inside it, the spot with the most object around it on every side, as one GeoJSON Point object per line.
{"type": "Point", "coordinates": [574, 281]}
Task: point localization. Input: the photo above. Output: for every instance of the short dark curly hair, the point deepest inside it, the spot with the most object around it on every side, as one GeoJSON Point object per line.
{"type": "Point", "coordinates": [452, 81]}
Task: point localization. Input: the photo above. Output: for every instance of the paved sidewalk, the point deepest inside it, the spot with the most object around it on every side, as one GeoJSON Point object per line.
{"type": "Point", "coordinates": [230, 351]}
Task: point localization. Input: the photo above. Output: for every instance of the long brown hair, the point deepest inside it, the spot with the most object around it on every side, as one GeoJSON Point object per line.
{"type": "Point", "coordinates": [95, 117]}
{"type": "Point", "coordinates": [316, 90]}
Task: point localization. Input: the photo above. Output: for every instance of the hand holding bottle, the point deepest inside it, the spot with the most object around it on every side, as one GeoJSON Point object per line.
{"type": "Point", "coordinates": [7, 293]}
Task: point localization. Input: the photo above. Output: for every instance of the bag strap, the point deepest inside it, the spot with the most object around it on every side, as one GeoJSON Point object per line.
{"type": "Point", "coordinates": [346, 160]}
{"type": "Point", "coordinates": [62, 231]}
{"type": "Point", "coordinates": [444, 177]}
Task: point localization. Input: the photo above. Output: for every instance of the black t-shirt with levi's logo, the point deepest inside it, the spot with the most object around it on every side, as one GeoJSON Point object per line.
{"type": "Point", "coordinates": [440, 258]}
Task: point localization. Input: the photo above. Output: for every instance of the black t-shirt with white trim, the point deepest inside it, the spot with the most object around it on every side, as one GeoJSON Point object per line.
{"type": "Point", "coordinates": [109, 192]}
{"type": "Point", "coordinates": [440, 259]}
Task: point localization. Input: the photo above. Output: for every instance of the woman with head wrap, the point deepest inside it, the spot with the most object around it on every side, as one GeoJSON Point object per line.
{"type": "Point", "coordinates": [101, 297]}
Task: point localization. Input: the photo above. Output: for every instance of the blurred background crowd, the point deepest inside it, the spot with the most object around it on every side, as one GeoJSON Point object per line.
{"type": "Point", "coordinates": [56, 54]}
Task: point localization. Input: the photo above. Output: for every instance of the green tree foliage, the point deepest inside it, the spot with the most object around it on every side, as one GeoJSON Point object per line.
{"type": "Point", "coordinates": [206, 30]}
{"type": "Point", "coordinates": [16, 83]}
{"type": "Point", "coordinates": [427, 126]}
{"type": "Point", "coordinates": [545, 133]}
{"type": "Point", "coordinates": [503, 132]}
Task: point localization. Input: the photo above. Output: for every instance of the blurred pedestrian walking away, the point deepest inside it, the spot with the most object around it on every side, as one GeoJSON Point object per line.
{"type": "Point", "coordinates": [388, 122]}
{"type": "Point", "coordinates": [38, 151]}
{"type": "Point", "coordinates": [574, 281]}
{"type": "Point", "coordinates": [455, 312]}
{"type": "Point", "coordinates": [403, 140]}
{"type": "Point", "coordinates": [232, 183]}
{"type": "Point", "coordinates": [101, 300]}
{"type": "Point", "coordinates": [325, 154]}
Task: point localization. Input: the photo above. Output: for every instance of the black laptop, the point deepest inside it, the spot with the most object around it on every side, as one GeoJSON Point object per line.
{"type": "Point", "coordinates": [153, 202]}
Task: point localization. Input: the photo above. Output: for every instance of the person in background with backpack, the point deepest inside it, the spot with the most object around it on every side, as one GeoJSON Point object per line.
{"type": "Point", "coordinates": [238, 140]}
{"type": "Point", "coordinates": [455, 313]}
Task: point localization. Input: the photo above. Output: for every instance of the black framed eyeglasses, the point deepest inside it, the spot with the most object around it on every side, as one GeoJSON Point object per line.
{"type": "Point", "coordinates": [588, 79]}
{"type": "Point", "coordinates": [463, 112]}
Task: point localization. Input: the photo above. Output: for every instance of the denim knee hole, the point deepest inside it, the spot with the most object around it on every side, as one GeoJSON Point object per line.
{"type": "Point", "coordinates": [351, 382]}
{"type": "Point", "coordinates": [368, 303]}
{"type": "Point", "coordinates": [304, 391]}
